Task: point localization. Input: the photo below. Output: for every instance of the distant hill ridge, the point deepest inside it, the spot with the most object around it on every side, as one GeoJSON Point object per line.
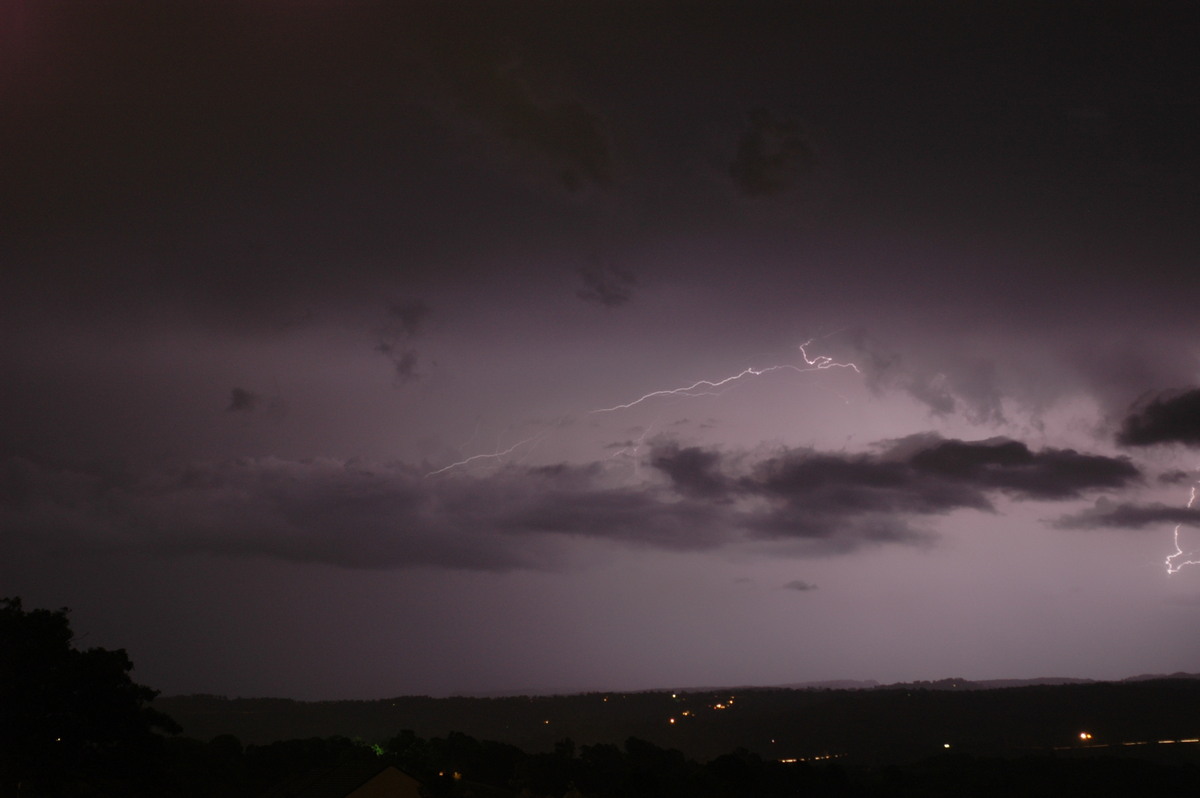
{"type": "Point", "coordinates": [879, 722]}
{"type": "Point", "coordinates": [839, 684]}
{"type": "Point", "coordinates": [979, 684]}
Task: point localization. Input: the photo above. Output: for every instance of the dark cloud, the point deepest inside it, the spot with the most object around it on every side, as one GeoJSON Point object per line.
{"type": "Point", "coordinates": [343, 513]}
{"type": "Point", "coordinates": [405, 321]}
{"type": "Point", "coordinates": [570, 136]}
{"type": "Point", "coordinates": [966, 385]}
{"type": "Point", "coordinates": [1176, 477]}
{"type": "Point", "coordinates": [266, 171]}
{"type": "Point", "coordinates": [631, 516]}
{"type": "Point", "coordinates": [1116, 370]}
{"type": "Point", "coordinates": [693, 471]}
{"type": "Point", "coordinates": [404, 361]}
{"type": "Point", "coordinates": [1007, 465]}
{"type": "Point", "coordinates": [241, 400]}
{"type": "Point", "coordinates": [502, 88]}
{"type": "Point", "coordinates": [354, 514]}
{"type": "Point", "coordinates": [608, 285]}
{"type": "Point", "coordinates": [845, 500]}
{"type": "Point", "coordinates": [933, 391]}
{"type": "Point", "coordinates": [1124, 515]}
{"type": "Point", "coordinates": [1167, 418]}
{"type": "Point", "coordinates": [410, 315]}
{"type": "Point", "coordinates": [839, 521]}
{"type": "Point", "coordinates": [772, 155]}
{"type": "Point", "coordinates": [799, 585]}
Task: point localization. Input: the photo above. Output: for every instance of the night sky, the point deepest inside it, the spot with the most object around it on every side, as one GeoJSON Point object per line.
{"type": "Point", "coordinates": [365, 349]}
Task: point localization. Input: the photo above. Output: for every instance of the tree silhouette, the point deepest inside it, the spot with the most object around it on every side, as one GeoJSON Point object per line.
{"type": "Point", "coordinates": [68, 716]}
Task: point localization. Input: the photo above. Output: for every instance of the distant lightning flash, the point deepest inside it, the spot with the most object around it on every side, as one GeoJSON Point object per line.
{"type": "Point", "coordinates": [706, 387]}
{"type": "Point", "coordinates": [1174, 564]}
{"type": "Point", "coordinates": [488, 456]}
{"type": "Point", "coordinates": [633, 449]}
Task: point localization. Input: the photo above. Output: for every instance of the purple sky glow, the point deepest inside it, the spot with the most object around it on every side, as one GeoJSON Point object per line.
{"type": "Point", "coordinates": [270, 270]}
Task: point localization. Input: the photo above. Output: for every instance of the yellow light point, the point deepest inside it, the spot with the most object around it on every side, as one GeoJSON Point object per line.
{"type": "Point", "coordinates": [945, 745]}
{"type": "Point", "coordinates": [546, 722]}
{"type": "Point", "coordinates": [672, 720]}
{"type": "Point", "coordinates": [1085, 736]}
{"type": "Point", "coordinates": [1191, 740]}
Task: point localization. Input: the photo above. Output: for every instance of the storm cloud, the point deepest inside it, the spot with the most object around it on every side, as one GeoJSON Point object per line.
{"type": "Point", "coordinates": [1127, 515]}
{"type": "Point", "coordinates": [343, 513]}
{"type": "Point", "coordinates": [1167, 418]}
{"type": "Point", "coordinates": [354, 514]}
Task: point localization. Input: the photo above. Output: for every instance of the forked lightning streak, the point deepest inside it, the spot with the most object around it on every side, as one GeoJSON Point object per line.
{"type": "Point", "coordinates": [706, 387]}
{"type": "Point", "coordinates": [488, 456]}
{"type": "Point", "coordinates": [1174, 563]}
{"type": "Point", "coordinates": [700, 388]}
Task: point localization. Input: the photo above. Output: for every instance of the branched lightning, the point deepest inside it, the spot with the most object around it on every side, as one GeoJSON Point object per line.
{"type": "Point", "coordinates": [1174, 564]}
{"type": "Point", "coordinates": [707, 387]}
{"type": "Point", "coordinates": [700, 388]}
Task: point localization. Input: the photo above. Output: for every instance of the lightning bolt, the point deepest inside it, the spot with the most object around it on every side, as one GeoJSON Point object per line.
{"type": "Point", "coordinates": [633, 449]}
{"type": "Point", "coordinates": [700, 388]}
{"type": "Point", "coordinates": [487, 456]}
{"type": "Point", "coordinates": [1174, 564]}
{"type": "Point", "coordinates": [707, 387]}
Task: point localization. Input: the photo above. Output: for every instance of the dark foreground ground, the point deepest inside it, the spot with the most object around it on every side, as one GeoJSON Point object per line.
{"type": "Point", "coordinates": [1103, 739]}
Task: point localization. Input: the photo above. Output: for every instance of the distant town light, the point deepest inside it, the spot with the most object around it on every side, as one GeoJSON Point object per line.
{"type": "Point", "coordinates": [945, 745]}
{"type": "Point", "coordinates": [1085, 736]}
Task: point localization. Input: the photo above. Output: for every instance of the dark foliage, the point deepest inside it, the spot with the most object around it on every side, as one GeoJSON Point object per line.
{"type": "Point", "coordinates": [69, 718]}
